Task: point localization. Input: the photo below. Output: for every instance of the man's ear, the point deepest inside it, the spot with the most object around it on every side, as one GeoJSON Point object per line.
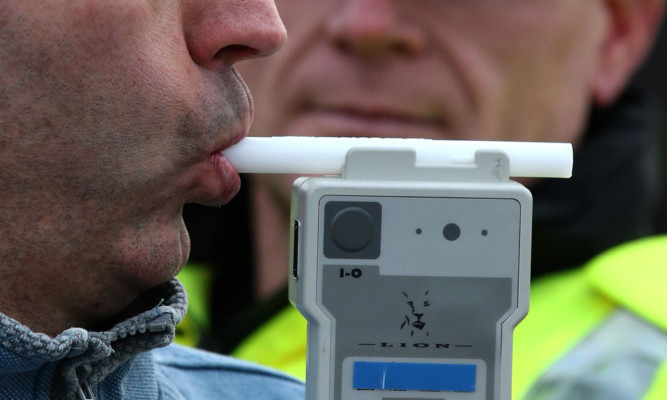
{"type": "Point", "coordinates": [633, 27]}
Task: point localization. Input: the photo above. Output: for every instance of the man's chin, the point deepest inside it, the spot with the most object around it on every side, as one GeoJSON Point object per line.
{"type": "Point", "coordinates": [154, 255]}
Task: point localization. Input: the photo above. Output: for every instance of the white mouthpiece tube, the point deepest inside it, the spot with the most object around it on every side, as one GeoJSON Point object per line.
{"type": "Point", "coordinates": [326, 155]}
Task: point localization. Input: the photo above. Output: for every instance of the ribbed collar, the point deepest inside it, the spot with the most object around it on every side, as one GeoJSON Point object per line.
{"type": "Point", "coordinates": [147, 324]}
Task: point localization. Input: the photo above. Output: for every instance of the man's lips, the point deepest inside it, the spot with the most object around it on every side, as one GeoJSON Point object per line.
{"type": "Point", "coordinates": [225, 181]}
{"type": "Point", "coordinates": [229, 179]}
{"type": "Point", "coordinates": [349, 121]}
{"type": "Point", "coordinates": [215, 181]}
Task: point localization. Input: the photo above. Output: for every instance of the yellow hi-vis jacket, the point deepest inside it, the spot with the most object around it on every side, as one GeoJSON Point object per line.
{"type": "Point", "coordinates": [598, 332]}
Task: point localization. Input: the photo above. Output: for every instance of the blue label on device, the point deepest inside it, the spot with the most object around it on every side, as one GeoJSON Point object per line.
{"type": "Point", "coordinates": [369, 375]}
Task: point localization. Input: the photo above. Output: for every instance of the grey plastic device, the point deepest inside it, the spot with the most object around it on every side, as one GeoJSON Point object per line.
{"type": "Point", "coordinates": [412, 278]}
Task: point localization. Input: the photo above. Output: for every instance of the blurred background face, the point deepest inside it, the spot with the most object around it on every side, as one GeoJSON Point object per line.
{"type": "Point", "coordinates": [474, 69]}
{"type": "Point", "coordinates": [445, 69]}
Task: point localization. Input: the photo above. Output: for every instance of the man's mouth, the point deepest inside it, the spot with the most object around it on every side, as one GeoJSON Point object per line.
{"type": "Point", "coordinates": [226, 182]}
{"type": "Point", "coordinates": [380, 122]}
{"type": "Point", "coordinates": [229, 182]}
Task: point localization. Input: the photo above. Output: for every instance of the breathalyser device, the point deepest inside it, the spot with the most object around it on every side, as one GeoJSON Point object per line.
{"type": "Point", "coordinates": [411, 263]}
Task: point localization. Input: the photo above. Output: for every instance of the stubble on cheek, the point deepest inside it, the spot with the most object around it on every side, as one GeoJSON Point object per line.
{"type": "Point", "coordinates": [220, 110]}
{"type": "Point", "coordinates": [87, 141]}
{"type": "Point", "coordinates": [114, 143]}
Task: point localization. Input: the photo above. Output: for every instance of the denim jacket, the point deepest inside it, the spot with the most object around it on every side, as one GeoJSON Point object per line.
{"type": "Point", "coordinates": [132, 360]}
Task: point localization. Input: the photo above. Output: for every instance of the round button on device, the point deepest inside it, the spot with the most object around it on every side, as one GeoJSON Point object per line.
{"type": "Point", "coordinates": [352, 229]}
{"type": "Point", "coordinates": [451, 232]}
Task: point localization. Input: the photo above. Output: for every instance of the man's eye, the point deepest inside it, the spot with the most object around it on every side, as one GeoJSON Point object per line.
{"type": "Point", "coordinates": [409, 303]}
{"type": "Point", "coordinates": [427, 303]}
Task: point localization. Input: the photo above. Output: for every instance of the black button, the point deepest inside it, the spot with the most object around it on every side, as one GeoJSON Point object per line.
{"type": "Point", "coordinates": [352, 229]}
{"type": "Point", "coordinates": [451, 232]}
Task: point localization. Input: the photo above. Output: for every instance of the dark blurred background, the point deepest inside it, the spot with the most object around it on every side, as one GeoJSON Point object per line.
{"type": "Point", "coordinates": [653, 78]}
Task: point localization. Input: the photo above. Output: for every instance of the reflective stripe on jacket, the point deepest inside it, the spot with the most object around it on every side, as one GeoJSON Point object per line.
{"type": "Point", "coordinates": [599, 332]}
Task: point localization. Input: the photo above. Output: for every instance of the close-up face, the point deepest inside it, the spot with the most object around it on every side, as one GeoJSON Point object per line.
{"type": "Point", "coordinates": [478, 69]}
{"type": "Point", "coordinates": [112, 116]}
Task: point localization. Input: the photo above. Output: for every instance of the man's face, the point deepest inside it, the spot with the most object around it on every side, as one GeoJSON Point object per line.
{"type": "Point", "coordinates": [450, 69]}
{"type": "Point", "coordinates": [112, 115]}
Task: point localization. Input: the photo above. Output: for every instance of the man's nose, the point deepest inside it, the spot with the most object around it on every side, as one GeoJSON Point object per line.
{"type": "Point", "coordinates": [374, 29]}
{"type": "Point", "coordinates": [224, 32]}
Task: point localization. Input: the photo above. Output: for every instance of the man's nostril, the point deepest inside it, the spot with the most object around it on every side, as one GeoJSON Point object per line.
{"type": "Point", "coordinates": [236, 52]}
